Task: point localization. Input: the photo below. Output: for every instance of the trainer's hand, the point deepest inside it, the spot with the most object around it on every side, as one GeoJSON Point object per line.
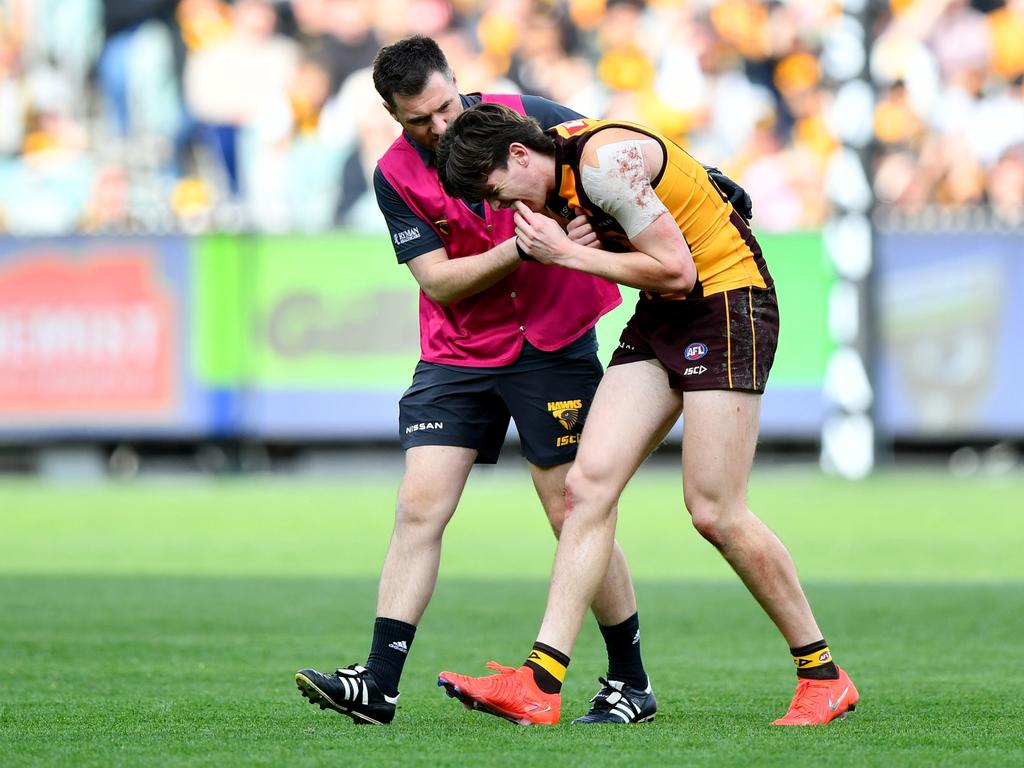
{"type": "Point", "coordinates": [540, 236]}
{"type": "Point", "coordinates": [581, 233]}
{"type": "Point", "coordinates": [736, 194]}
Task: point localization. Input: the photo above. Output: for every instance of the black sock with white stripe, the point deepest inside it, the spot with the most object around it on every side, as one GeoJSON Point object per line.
{"type": "Point", "coordinates": [622, 641]}
{"type": "Point", "coordinates": [392, 640]}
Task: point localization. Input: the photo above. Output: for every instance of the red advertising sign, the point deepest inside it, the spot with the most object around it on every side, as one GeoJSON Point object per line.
{"type": "Point", "coordinates": [85, 335]}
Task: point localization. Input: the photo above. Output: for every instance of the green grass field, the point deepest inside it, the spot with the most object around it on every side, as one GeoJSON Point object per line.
{"type": "Point", "coordinates": [160, 623]}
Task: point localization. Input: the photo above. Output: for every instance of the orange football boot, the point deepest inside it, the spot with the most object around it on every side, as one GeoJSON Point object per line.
{"type": "Point", "coordinates": [819, 702]}
{"type": "Point", "coordinates": [512, 694]}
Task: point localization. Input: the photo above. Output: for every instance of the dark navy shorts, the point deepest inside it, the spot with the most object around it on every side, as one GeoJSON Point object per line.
{"type": "Point", "coordinates": [472, 409]}
{"type": "Point", "coordinates": [723, 341]}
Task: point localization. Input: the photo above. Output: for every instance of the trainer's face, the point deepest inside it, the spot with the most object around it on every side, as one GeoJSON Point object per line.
{"type": "Point", "coordinates": [425, 115]}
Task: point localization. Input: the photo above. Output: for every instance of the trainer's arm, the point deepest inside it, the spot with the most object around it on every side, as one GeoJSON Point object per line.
{"type": "Point", "coordinates": [416, 244]}
{"type": "Point", "coordinates": [448, 280]}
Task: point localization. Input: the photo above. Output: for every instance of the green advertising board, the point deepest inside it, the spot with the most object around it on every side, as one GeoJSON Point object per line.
{"type": "Point", "coordinates": [332, 311]}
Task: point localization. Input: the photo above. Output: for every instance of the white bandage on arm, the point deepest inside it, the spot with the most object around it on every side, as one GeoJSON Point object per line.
{"type": "Point", "coordinates": [619, 185]}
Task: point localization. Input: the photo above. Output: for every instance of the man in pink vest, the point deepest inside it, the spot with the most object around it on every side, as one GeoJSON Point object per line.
{"type": "Point", "coordinates": [501, 337]}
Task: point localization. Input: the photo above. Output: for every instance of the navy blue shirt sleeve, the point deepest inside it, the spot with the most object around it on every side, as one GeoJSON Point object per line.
{"type": "Point", "coordinates": [410, 235]}
{"type": "Point", "coordinates": [547, 112]}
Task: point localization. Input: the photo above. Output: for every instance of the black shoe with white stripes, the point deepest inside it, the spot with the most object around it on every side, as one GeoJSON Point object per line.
{"type": "Point", "coordinates": [351, 691]}
{"type": "Point", "coordinates": [619, 703]}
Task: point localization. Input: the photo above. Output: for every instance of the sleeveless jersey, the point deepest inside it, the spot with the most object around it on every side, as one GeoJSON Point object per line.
{"type": "Point", "coordinates": [724, 249]}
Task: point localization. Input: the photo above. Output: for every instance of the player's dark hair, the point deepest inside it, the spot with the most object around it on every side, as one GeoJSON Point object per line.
{"type": "Point", "coordinates": [403, 68]}
{"type": "Point", "coordinates": [476, 143]}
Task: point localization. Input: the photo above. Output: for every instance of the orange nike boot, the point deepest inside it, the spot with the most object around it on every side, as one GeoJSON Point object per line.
{"type": "Point", "coordinates": [819, 702]}
{"type": "Point", "coordinates": [512, 694]}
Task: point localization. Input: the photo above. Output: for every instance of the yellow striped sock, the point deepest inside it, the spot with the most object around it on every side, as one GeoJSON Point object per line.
{"type": "Point", "coordinates": [548, 666]}
{"type": "Point", "coordinates": [816, 658]}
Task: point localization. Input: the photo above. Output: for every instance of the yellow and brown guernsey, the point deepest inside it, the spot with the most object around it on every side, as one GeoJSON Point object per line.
{"type": "Point", "coordinates": [724, 249]}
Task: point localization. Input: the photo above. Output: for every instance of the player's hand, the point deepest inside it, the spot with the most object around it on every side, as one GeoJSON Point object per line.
{"type": "Point", "coordinates": [541, 237]}
{"type": "Point", "coordinates": [736, 194]}
{"type": "Point", "coordinates": [580, 232]}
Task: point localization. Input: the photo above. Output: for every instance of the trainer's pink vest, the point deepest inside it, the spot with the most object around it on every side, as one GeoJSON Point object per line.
{"type": "Point", "coordinates": [548, 306]}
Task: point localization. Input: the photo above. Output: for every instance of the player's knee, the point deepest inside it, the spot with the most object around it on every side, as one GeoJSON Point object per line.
{"type": "Point", "coordinates": [585, 493]}
{"type": "Point", "coordinates": [710, 518]}
{"type": "Point", "coordinates": [421, 515]}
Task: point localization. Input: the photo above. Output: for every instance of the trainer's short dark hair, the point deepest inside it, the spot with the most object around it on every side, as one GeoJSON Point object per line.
{"type": "Point", "coordinates": [403, 68]}
{"type": "Point", "coordinates": [476, 143]}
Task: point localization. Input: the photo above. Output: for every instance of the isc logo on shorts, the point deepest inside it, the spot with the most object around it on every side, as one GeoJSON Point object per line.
{"type": "Point", "coordinates": [695, 351]}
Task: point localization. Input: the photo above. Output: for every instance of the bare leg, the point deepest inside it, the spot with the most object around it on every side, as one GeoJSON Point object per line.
{"type": "Point", "coordinates": [615, 600]}
{"type": "Point", "coordinates": [719, 438]}
{"type": "Point", "coordinates": [435, 476]}
{"type": "Point", "coordinates": [631, 413]}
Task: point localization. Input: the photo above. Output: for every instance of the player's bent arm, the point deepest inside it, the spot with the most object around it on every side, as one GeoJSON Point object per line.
{"type": "Point", "coordinates": [662, 262]}
{"type": "Point", "coordinates": [616, 172]}
{"type": "Point", "coordinates": [447, 280]}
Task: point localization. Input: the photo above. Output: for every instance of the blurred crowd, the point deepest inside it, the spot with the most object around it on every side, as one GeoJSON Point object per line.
{"type": "Point", "coordinates": [201, 115]}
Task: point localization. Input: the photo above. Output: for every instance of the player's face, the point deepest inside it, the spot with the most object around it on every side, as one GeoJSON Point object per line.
{"type": "Point", "coordinates": [425, 115]}
{"type": "Point", "coordinates": [517, 182]}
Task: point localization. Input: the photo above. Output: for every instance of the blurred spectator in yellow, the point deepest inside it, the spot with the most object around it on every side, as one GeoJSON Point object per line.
{"type": "Point", "coordinates": [477, 69]}
{"type": "Point", "coordinates": [625, 64]}
{"type": "Point", "coordinates": [500, 29]}
{"type": "Point", "coordinates": [896, 121]}
{"type": "Point", "coordinates": [1006, 30]}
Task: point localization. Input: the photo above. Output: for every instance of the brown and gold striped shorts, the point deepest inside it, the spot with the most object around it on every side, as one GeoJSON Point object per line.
{"type": "Point", "coordinates": [723, 341]}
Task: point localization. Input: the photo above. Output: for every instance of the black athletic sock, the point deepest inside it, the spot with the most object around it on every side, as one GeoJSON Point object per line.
{"type": "Point", "coordinates": [548, 665]}
{"type": "Point", "coordinates": [622, 641]}
{"type": "Point", "coordinates": [392, 640]}
{"type": "Point", "coordinates": [814, 661]}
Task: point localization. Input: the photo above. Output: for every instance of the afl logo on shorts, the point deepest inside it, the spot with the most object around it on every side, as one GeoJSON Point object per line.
{"type": "Point", "coordinates": [695, 351]}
